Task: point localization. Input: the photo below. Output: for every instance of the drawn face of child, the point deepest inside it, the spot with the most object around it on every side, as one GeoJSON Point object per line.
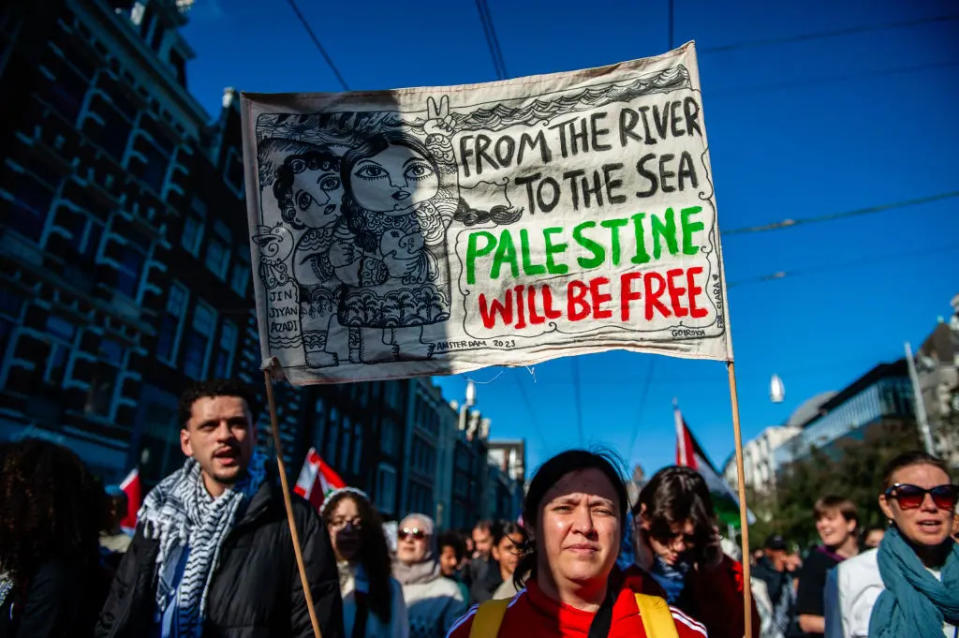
{"type": "Point", "coordinates": [316, 195]}
{"type": "Point", "coordinates": [393, 180]}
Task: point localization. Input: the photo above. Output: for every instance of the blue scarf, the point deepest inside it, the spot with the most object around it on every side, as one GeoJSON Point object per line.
{"type": "Point", "coordinates": [672, 578]}
{"type": "Point", "coordinates": [913, 603]}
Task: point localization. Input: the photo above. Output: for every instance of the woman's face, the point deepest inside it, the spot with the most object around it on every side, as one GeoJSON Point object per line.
{"type": "Point", "coordinates": [316, 196]}
{"type": "Point", "coordinates": [670, 548]}
{"type": "Point", "coordinates": [579, 529]}
{"type": "Point", "coordinates": [412, 542]}
{"type": "Point", "coordinates": [834, 529]}
{"type": "Point", "coordinates": [345, 528]}
{"type": "Point", "coordinates": [508, 551]}
{"type": "Point", "coordinates": [927, 524]}
{"type": "Point", "coordinates": [393, 180]}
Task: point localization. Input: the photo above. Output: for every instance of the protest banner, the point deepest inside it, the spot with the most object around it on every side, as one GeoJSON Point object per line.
{"type": "Point", "coordinates": [438, 230]}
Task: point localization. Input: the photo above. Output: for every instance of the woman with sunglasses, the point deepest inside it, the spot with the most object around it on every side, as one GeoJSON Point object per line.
{"type": "Point", "coordinates": [910, 585]}
{"type": "Point", "coordinates": [372, 601]}
{"type": "Point", "coordinates": [574, 513]}
{"type": "Point", "coordinates": [677, 542]}
{"type": "Point", "coordinates": [433, 602]}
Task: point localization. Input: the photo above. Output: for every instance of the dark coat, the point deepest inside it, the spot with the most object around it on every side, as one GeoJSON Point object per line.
{"type": "Point", "coordinates": [255, 591]}
{"type": "Point", "coordinates": [714, 597]}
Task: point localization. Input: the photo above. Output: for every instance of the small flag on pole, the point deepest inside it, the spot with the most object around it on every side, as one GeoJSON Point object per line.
{"type": "Point", "coordinates": [316, 479]}
{"type": "Point", "coordinates": [134, 491]}
{"type": "Point", "coordinates": [690, 454]}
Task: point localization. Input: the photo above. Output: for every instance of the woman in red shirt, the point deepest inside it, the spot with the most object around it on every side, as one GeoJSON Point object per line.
{"type": "Point", "coordinates": [575, 510]}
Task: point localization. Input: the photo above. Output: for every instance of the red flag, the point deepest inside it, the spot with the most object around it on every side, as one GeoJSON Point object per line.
{"type": "Point", "coordinates": [132, 488]}
{"type": "Point", "coordinates": [690, 454]}
{"type": "Point", "coordinates": [316, 479]}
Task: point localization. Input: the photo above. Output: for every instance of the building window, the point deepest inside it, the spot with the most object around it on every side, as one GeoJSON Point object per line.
{"type": "Point", "coordinates": [357, 447]}
{"type": "Point", "coordinates": [240, 276]}
{"type": "Point", "coordinates": [192, 234]}
{"type": "Point", "coordinates": [388, 436]}
{"type": "Point", "coordinates": [197, 342]}
{"type": "Point", "coordinates": [319, 422]}
{"type": "Point", "coordinates": [218, 250]}
{"type": "Point", "coordinates": [385, 493]}
{"type": "Point", "coordinates": [333, 430]}
{"type": "Point", "coordinates": [171, 325]}
{"type": "Point", "coordinates": [345, 437]}
{"type": "Point", "coordinates": [30, 201]}
{"type": "Point", "coordinates": [62, 334]}
{"type": "Point", "coordinates": [224, 353]}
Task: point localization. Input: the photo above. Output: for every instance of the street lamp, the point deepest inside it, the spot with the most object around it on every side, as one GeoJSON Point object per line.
{"type": "Point", "coordinates": [777, 391]}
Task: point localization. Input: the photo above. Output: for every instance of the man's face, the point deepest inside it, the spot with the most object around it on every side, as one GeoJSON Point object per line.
{"type": "Point", "coordinates": [448, 562]}
{"type": "Point", "coordinates": [220, 436]}
{"type": "Point", "coordinates": [482, 542]}
{"type": "Point", "coordinates": [777, 557]}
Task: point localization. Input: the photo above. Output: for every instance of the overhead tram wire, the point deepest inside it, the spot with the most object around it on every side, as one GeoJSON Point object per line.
{"type": "Point", "coordinates": [577, 399]}
{"type": "Point", "coordinates": [534, 417]}
{"type": "Point", "coordinates": [319, 46]}
{"type": "Point", "coordinates": [642, 405]}
{"type": "Point", "coordinates": [827, 34]}
{"type": "Point", "coordinates": [851, 263]}
{"type": "Point", "coordinates": [492, 42]}
{"type": "Point", "coordinates": [789, 223]}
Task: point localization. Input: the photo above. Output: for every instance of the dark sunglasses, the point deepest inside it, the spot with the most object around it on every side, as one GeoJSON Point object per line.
{"type": "Point", "coordinates": [415, 533]}
{"type": "Point", "coordinates": [911, 496]}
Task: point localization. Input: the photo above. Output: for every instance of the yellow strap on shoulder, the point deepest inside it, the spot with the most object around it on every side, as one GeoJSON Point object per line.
{"type": "Point", "coordinates": [657, 619]}
{"type": "Point", "coordinates": [488, 618]}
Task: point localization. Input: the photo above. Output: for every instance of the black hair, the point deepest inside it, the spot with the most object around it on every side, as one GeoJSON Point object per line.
{"type": "Point", "coordinates": [215, 388]}
{"type": "Point", "coordinates": [453, 539]}
{"type": "Point", "coordinates": [51, 506]}
{"type": "Point", "coordinates": [321, 159]}
{"type": "Point", "coordinates": [548, 474]}
{"type": "Point", "coordinates": [507, 528]}
{"type": "Point", "coordinates": [676, 494]}
{"type": "Point", "coordinates": [914, 457]}
{"type": "Point", "coordinates": [358, 219]}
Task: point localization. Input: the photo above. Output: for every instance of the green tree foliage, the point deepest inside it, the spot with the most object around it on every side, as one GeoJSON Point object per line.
{"type": "Point", "coordinates": [849, 467]}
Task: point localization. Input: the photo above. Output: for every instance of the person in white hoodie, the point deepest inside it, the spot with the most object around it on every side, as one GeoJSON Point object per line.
{"type": "Point", "coordinates": [433, 602]}
{"type": "Point", "coordinates": [916, 565]}
{"type": "Point", "coordinates": [372, 600]}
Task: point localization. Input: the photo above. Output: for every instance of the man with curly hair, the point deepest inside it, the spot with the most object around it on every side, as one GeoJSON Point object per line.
{"type": "Point", "coordinates": [212, 552]}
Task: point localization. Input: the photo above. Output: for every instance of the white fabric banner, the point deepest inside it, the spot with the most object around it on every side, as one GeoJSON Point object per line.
{"type": "Point", "coordinates": [442, 229]}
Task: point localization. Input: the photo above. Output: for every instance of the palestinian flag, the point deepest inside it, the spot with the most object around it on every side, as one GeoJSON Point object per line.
{"type": "Point", "coordinates": [690, 454]}
{"type": "Point", "coordinates": [317, 479]}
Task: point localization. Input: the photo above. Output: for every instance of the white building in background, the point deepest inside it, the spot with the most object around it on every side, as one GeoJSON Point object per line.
{"type": "Point", "coordinates": [937, 365]}
{"type": "Point", "coordinates": [759, 466]}
{"type": "Point", "coordinates": [760, 463]}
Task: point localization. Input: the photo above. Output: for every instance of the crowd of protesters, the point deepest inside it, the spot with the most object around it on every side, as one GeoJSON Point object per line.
{"type": "Point", "coordinates": [212, 554]}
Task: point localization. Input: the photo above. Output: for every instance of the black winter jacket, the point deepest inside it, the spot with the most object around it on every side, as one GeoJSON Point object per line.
{"type": "Point", "coordinates": [255, 591]}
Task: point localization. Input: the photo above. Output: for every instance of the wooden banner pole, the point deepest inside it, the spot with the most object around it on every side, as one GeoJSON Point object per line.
{"type": "Point", "coordinates": [743, 517]}
{"type": "Point", "coordinates": [275, 426]}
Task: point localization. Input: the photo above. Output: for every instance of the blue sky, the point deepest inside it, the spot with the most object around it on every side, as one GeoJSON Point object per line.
{"type": "Point", "coordinates": [811, 108]}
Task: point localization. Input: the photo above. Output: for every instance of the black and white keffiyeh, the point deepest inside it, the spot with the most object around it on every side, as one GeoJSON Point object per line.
{"type": "Point", "coordinates": [181, 514]}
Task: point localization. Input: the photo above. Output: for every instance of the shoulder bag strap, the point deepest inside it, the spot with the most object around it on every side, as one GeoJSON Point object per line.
{"type": "Point", "coordinates": [488, 618]}
{"type": "Point", "coordinates": [657, 619]}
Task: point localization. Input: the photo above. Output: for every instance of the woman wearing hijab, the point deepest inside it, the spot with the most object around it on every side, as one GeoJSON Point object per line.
{"type": "Point", "coordinates": [433, 602]}
{"type": "Point", "coordinates": [910, 585]}
{"type": "Point", "coordinates": [574, 512]}
{"type": "Point", "coordinates": [372, 601]}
